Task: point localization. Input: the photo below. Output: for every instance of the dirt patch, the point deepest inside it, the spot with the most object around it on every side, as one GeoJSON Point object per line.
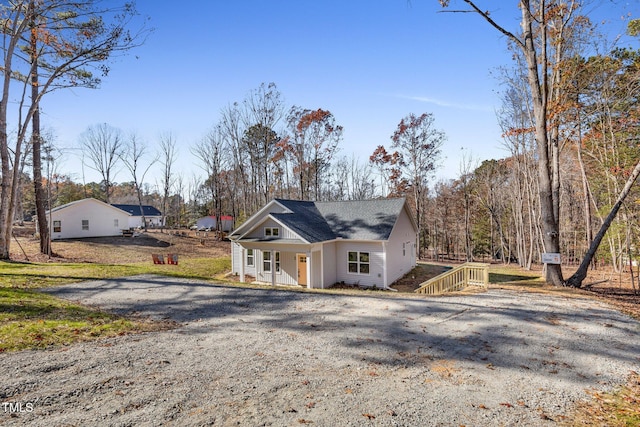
{"type": "Point", "coordinates": [420, 274]}
{"type": "Point", "coordinates": [120, 250]}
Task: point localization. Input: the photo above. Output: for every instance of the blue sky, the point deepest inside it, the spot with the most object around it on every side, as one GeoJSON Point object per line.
{"type": "Point", "coordinates": [369, 63]}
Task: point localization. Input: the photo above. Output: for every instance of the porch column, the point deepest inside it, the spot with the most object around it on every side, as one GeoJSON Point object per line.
{"type": "Point", "coordinates": [242, 255]}
{"type": "Point", "coordinates": [309, 269]}
{"type": "Point", "coordinates": [273, 268]}
{"type": "Point", "coordinates": [384, 264]}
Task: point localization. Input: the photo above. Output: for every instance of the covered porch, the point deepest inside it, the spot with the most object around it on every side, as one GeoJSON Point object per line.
{"type": "Point", "coordinates": [281, 263]}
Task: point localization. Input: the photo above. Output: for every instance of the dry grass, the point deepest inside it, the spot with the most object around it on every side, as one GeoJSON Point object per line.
{"type": "Point", "coordinates": [118, 250]}
{"type": "Point", "coordinates": [618, 408]}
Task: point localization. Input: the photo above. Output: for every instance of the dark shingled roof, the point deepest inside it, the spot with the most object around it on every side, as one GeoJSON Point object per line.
{"type": "Point", "coordinates": [135, 209]}
{"type": "Point", "coordinates": [354, 220]}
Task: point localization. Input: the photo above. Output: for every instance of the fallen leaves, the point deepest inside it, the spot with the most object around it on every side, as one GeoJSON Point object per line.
{"type": "Point", "coordinates": [611, 408]}
{"type": "Point", "coordinates": [445, 368]}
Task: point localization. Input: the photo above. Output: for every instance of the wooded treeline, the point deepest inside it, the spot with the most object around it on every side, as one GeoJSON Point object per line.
{"type": "Point", "coordinates": [569, 117]}
{"type": "Point", "coordinates": [260, 150]}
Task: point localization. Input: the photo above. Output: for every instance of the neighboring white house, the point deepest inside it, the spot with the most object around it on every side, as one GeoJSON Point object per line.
{"type": "Point", "coordinates": [317, 244]}
{"type": "Point", "coordinates": [152, 216]}
{"type": "Point", "coordinates": [226, 222]}
{"type": "Point", "coordinates": [86, 218]}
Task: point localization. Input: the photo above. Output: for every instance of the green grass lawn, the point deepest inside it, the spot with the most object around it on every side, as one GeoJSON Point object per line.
{"type": "Point", "coordinates": [31, 320]}
{"type": "Point", "coordinates": [508, 275]}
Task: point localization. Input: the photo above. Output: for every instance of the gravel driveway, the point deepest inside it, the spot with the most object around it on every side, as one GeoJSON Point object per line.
{"type": "Point", "coordinates": [269, 357]}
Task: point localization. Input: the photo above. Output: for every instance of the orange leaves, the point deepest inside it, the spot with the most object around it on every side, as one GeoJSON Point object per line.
{"type": "Point", "coordinates": [380, 156]}
{"type": "Point", "coordinates": [311, 117]}
{"type": "Point", "coordinates": [518, 131]}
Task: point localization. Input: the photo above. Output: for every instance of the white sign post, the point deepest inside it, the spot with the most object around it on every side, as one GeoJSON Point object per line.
{"type": "Point", "coordinates": [551, 258]}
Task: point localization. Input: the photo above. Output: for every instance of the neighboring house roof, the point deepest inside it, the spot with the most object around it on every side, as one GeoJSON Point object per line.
{"type": "Point", "coordinates": [78, 202]}
{"type": "Point", "coordinates": [135, 209]}
{"type": "Point", "coordinates": [322, 221]}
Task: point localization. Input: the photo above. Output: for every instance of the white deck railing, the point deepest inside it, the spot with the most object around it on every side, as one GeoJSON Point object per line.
{"type": "Point", "coordinates": [467, 274]}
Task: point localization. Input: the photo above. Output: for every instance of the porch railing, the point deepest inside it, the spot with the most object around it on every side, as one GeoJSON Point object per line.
{"type": "Point", "coordinates": [467, 274]}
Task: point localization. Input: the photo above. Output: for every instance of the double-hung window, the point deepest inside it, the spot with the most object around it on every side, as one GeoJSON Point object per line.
{"type": "Point", "coordinates": [359, 262]}
{"type": "Point", "coordinates": [85, 224]}
{"type": "Point", "coordinates": [268, 259]}
{"type": "Point", "coordinates": [57, 226]}
{"type": "Point", "coordinates": [250, 257]}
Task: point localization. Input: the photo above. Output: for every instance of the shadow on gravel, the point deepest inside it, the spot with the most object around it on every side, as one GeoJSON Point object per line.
{"type": "Point", "coordinates": [558, 336]}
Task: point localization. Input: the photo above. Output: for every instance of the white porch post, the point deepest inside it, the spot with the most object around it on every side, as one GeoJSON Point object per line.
{"type": "Point", "coordinates": [273, 268]}
{"type": "Point", "coordinates": [384, 264]}
{"type": "Point", "coordinates": [242, 255]}
{"type": "Point", "coordinates": [309, 277]}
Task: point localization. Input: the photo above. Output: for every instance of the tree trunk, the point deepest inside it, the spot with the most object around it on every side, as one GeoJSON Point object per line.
{"type": "Point", "coordinates": [577, 278]}
{"type": "Point", "coordinates": [551, 235]}
{"type": "Point", "coordinates": [41, 200]}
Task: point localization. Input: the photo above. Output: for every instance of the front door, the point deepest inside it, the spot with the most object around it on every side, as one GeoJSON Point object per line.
{"type": "Point", "coordinates": [302, 269]}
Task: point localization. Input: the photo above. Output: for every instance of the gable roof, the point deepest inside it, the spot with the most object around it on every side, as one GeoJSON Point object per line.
{"type": "Point", "coordinates": [321, 221]}
{"type": "Point", "coordinates": [362, 219]}
{"type": "Point", "coordinates": [79, 202]}
{"type": "Point", "coordinates": [134, 210]}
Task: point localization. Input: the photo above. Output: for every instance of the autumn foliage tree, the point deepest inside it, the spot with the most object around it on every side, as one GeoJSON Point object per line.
{"type": "Point", "coordinates": [417, 145]}
{"type": "Point", "coordinates": [312, 145]}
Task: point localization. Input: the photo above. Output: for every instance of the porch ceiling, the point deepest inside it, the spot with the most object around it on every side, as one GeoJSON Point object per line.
{"type": "Point", "coordinates": [282, 245]}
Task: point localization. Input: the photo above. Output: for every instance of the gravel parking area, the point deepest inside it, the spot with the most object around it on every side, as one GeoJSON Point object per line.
{"type": "Point", "coordinates": [254, 357]}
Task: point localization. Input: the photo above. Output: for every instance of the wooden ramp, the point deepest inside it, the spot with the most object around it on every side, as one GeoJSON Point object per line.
{"type": "Point", "coordinates": [467, 274]}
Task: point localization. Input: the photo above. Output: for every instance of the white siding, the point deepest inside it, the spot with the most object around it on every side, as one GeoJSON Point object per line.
{"type": "Point", "coordinates": [239, 257]}
{"type": "Point", "coordinates": [288, 268]}
{"type": "Point", "coordinates": [329, 264]}
{"type": "Point", "coordinates": [399, 261]}
{"type": "Point", "coordinates": [236, 258]}
{"type": "Point", "coordinates": [104, 220]}
{"type": "Point", "coordinates": [284, 233]}
{"type": "Point", "coordinates": [376, 264]}
{"type": "Point", "coordinates": [316, 269]}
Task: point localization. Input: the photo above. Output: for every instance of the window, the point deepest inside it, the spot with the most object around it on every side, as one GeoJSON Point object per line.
{"type": "Point", "coordinates": [404, 249]}
{"type": "Point", "coordinates": [271, 232]}
{"type": "Point", "coordinates": [85, 224]}
{"type": "Point", "coordinates": [359, 262]}
{"type": "Point", "coordinates": [266, 261]}
{"type": "Point", "coordinates": [57, 226]}
{"type": "Point", "coordinates": [115, 223]}
{"type": "Point", "coordinates": [250, 257]}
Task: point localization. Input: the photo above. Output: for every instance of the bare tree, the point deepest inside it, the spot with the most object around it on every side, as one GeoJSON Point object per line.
{"type": "Point", "coordinates": [210, 152]}
{"type": "Point", "coordinates": [168, 157]}
{"type": "Point", "coordinates": [104, 147]}
{"type": "Point", "coordinates": [133, 158]}
{"type": "Point", "coordinates": [262, 111]}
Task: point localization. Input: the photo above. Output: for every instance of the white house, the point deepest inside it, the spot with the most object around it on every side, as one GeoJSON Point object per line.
{"type": "Point", "coordinates": [86, 218]}
{"type": "Point", "coordinates": [226, 223]}
{"type": "Point", "coordinates": [152, 216]}
{"type": "Point", "coordinates": [317, 244]}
